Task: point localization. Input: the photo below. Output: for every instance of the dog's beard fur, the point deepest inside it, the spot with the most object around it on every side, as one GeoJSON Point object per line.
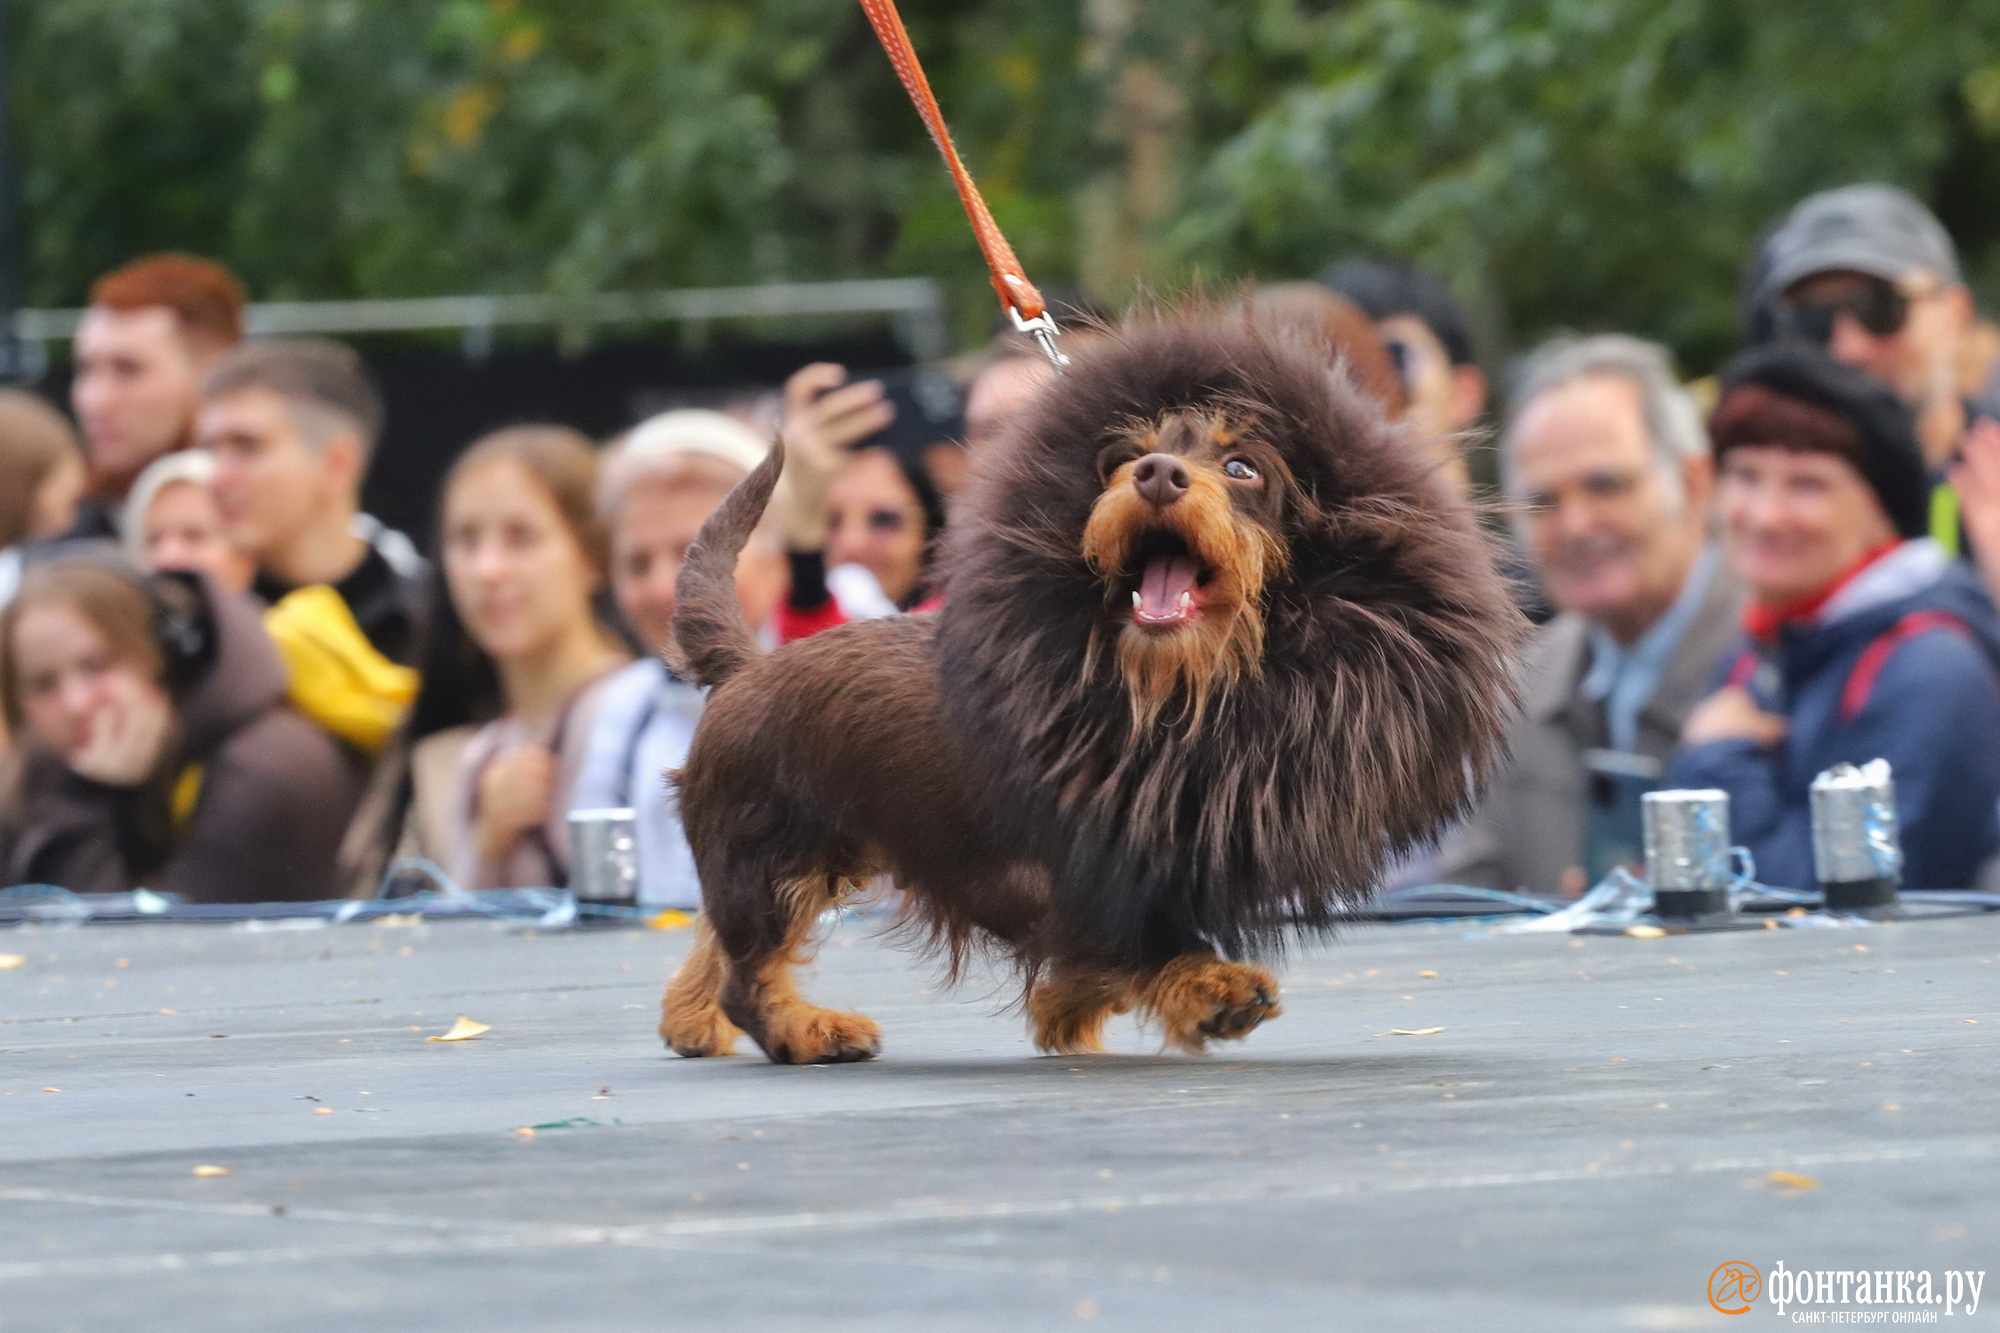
{"type": "Point", "coordinates": [1226, 641]}
{"type": "Point", "coordinates": [1350, 701]}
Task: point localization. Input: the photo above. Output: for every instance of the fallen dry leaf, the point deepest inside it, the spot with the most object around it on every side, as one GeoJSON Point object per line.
{"type": "Point", "coordinates": [1411, 1032]}
{"type": "Point", "coordinates": [1792, 1180]}
{"type": "Point", "coordinates": [1644, 932]}
{"type": "Point", "coordinates": [213, 1171]}
{"type": "Point", "coordinates": [322, 1110]}
{"type": "Point", "coordinates": [463, 1030]}
{"type": "Point", "coordinates": [670, 919]}
{"type": "Point", "coordinates": [51, 1089]}
{"type": "Point", "coordinates": [10, 961]}
{"type": "Point", "coordinates": [1427, 975]}
{"type": "Point", "coordinates": [524, 1132]}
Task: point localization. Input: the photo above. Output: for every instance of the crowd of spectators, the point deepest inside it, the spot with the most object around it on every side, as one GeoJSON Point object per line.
{"type": "Point", "coordinates": [1790, 583]}
{"type": "Point", "coordinates": [221, 678]}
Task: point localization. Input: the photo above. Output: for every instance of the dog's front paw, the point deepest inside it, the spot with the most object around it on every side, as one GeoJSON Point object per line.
{"type": "Point", "coordinates": [1068, 1007]}
{"type": "Point", "coordinates": [1199, 999]}
{"type": "Point", "coordinates": [807, 1036]}
{"type": "Point", "coordinates": [694, 1030]}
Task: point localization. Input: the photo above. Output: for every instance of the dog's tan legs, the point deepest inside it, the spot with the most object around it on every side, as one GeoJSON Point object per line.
{"type": "Point", "coordinates": [1199, 998]}
{"type": "Point", "coordinates": [691, 1019]}
{"type": "Point", "coordinates": [1070, 1003]}
{"type": "Point", "coordinates": [760, 995]}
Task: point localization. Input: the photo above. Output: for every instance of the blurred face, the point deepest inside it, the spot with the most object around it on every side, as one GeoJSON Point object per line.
{"type": "Point", "coordinates": [271, 480]}
{"type": "Point", "coordinates": [1906, 334]}
{"type": "Point", "coordinates": [183, 530]}
{"type": "Point", "coordinates": [1444, 399]}
{"type": "Point", "coordinates": [1613, 531]}
{"type": "Point", "coordinates": [657, 522]}
{"type": "Point", "coordinates": [1795, 522]}
{"type": "Point", "coordinates": [68, 679]}
{"type": "Point", "coordinates": [137, 385]}
{"type": "Point", "coordinates": [54, 510]}
{"type": "Point", "coordinates": [517, 575]}
{"type": "Point", "coordinates": [874, 519]}
{"type": "Point", "coordinates": [1002, 390]}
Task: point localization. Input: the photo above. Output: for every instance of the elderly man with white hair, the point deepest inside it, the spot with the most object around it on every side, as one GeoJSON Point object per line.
{"type": "Point", "coordinates": [656, 486]}
{"type": "Point", "coordinates": [1607, 463]}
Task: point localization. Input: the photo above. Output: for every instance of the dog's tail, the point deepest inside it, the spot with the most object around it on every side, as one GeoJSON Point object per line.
{"type": "Point", "coordinates": [712, 642]}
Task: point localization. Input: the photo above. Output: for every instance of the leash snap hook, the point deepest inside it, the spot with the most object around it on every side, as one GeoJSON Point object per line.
{"type": "Point", "coordinates": [1042, 328]}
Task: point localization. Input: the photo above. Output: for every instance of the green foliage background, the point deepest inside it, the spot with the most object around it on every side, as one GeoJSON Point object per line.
{"type": "Point", "coordinates": [1566, 163]}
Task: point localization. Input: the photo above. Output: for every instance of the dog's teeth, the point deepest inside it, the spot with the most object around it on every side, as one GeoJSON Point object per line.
{"type": "Point", "coordinates": [1187, 601]}
{"type": "Point", "coordinates": [1136, 602]}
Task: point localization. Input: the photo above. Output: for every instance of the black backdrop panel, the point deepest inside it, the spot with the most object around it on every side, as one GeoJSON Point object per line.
{"type": "Point", "coordinates": [439, 401]}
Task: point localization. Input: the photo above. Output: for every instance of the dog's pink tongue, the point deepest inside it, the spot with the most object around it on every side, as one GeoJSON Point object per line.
{"type": "Point", "coordinates": [1161, 587]}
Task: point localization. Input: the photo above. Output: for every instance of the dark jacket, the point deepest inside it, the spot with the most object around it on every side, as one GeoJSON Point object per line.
{"type": "Point", "coordinates": [274, 793]}
{"type": "Point", "coordinates": [1872, 683]}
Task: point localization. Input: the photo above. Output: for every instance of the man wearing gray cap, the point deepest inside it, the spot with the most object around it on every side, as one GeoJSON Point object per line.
{"type": "Point", "coordinates": [1867, 272]}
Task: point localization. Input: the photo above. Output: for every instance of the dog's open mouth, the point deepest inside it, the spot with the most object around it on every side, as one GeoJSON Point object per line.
{"type": "Point", "coordinates": [1170, 586]}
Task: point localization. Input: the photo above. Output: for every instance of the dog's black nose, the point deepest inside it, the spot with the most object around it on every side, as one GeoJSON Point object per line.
{"type": "Point", "coordinates": [1160, 478]}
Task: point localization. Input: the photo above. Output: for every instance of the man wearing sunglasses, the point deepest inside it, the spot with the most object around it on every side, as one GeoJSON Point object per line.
{"type": "Point", "coordinates": [1869, 274]}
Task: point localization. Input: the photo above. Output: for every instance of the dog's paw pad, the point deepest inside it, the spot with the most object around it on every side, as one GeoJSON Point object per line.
{"type": "Point", "coordinates": [1207, 999]}
{"type": "Point", "coordinates": [1234, 1015]}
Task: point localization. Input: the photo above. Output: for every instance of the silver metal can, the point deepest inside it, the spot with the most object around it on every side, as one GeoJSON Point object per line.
{"type": "Point", "coordinates": [1857, 845]}
{"type": "Point", "coordinates": [1687, 851]}
{"type": "Point", "coordinates": [604, 856]}
{"type": "Point", "coordinates": [1687, 839]}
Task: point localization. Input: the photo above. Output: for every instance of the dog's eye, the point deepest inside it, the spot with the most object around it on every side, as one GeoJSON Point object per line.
{"type": "Point", "coordinates": [1239, 469]}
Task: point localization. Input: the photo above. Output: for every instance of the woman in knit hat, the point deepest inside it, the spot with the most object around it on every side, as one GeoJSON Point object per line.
{"type": "Point", "coordinates": [1865, 640]}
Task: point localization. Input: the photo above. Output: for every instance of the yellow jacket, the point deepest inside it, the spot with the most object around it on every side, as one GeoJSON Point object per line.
{"type": "Point", "coordinates": [333, 674]}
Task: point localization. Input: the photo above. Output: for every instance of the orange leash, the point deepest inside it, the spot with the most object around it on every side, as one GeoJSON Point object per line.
{"type": "Point", "coordinates": [1017, 295]}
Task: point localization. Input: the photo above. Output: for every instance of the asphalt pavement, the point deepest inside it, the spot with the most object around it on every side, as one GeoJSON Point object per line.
{"type": "Point", "coordinates": [216, 1129]}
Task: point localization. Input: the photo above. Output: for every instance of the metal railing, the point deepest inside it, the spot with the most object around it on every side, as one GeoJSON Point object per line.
{"type": "Point", "coordinates": [914, 306]}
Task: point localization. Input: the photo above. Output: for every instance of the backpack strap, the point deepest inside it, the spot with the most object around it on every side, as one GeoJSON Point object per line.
{"type": "Point", "coordinates": [1744, 669]}
{"type": "Point", "coordinates": [1867, 667]}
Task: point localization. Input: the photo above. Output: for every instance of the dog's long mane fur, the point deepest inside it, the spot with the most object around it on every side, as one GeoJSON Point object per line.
{"type": "Point", "coordinates": [1376, 708]}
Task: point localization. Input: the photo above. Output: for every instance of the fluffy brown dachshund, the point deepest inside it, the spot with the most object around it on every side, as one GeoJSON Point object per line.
{"type": "Point", "coordinates": [1215, 646]}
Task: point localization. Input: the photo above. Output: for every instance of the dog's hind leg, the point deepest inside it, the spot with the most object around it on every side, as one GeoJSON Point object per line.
{"type": "Point", "coordinates": [1070, 1002]}
{"type": "Point", "coordinates": [1198, 998]}
{"type": "Point", "coordinates": [691, 1019]}
{"type": "Point", "coordinates": [759, 994]}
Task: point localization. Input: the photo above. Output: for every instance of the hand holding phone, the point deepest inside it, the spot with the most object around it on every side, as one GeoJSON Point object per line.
{"type": "Point", "coordinates": [825, 416]}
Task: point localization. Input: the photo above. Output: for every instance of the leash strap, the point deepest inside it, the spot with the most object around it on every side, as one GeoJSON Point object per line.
{"type": "Point", "coordinates": [1017, 295]}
